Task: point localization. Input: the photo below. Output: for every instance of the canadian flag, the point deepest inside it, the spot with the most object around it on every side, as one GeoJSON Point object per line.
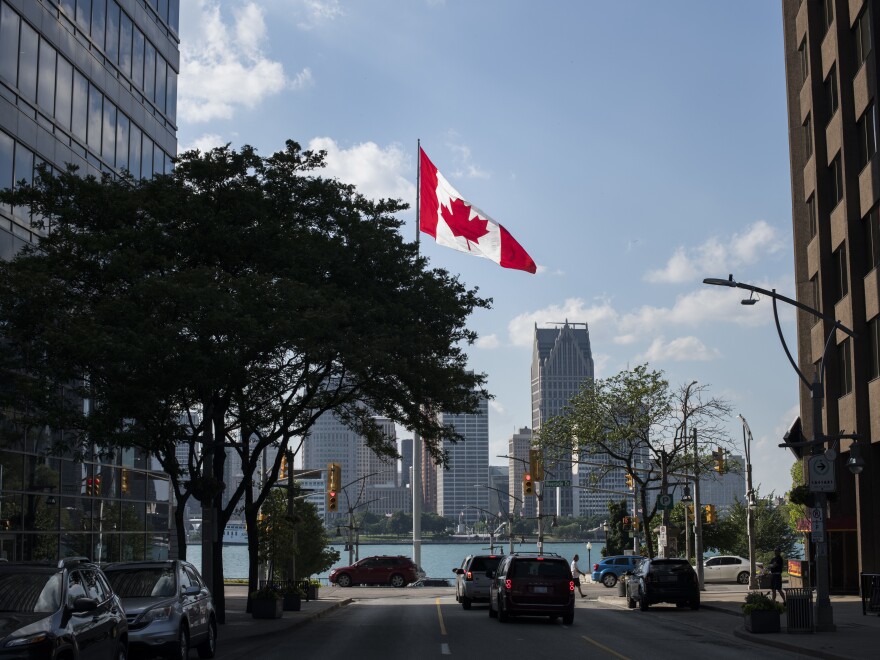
{"type": "Point", "coordinates": [455, 223]}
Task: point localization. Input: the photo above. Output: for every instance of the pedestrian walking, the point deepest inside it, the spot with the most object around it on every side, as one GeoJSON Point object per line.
{"type": "Point", "coordinates": [775, 568]}
{"type": "Point", "coordinates": [576, 573]}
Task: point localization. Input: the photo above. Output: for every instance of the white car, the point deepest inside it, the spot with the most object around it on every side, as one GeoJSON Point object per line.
{"type": "Point", "coordinates": [728, 568]}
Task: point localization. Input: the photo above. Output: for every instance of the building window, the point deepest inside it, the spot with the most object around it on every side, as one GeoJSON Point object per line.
{"type": "Point", "coordinates": [804, 57]}
{"type": "Point", "coordinates": [874, 346]}
{"type": "Point", "coordinates": [808, 135]}
{"type": "Point", "coordinates": [844, 363]}
{"type": "Point", "coordinates": [836, 180]}
{"type": "Point", "coordinates": [867, 132]}
{"type": "Point", "coordinates": [872, 240]}
{"type": "Point", "coordinates": [831, 92]}
{"type": "Point", "coordinates": [862, 38]}
{"type": "Point", "coordinates": [827, 13]}
{"type": "Point", "coordinates": [811, 215]}
{"type": "Point", "coordinates": [841, 283]}
{"type": "Point", "coordinates": [814, 296]}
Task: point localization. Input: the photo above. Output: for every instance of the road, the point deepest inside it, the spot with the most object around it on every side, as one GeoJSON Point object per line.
{"type": "Point", "coordinates": [394, 624]}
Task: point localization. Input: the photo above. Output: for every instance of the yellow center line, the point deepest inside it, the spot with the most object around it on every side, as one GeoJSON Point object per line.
{"type": "Point", "coordinates": [605, 648]}
{"type": "Point", "coordinates": [440, 617]}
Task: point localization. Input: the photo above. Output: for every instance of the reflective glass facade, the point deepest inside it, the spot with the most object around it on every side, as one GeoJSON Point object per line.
{"type": "Point", "coordinates": [92, 83]}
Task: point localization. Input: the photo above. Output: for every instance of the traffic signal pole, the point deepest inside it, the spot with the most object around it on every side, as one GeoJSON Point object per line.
{"type": "Point", "coordinates": [698, 516]}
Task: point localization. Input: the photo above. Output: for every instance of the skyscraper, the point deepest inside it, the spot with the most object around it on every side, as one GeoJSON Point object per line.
{"type": "Point", "coordinates": [832, 82]}
{"type": "Point", "coordinates": [457, 490]}
{"type": "Point", "coordinates": [561, 362]}
{"type": "Point", "coordinates": [518, 452]}
{"type": "Point", "coordinates": [92, 83]}
{"type": "Point", "coordinates": [406, 461]}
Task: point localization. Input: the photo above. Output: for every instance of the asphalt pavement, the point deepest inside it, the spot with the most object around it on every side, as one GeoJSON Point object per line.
{"type": "Point", "coordinates": [856, 636]}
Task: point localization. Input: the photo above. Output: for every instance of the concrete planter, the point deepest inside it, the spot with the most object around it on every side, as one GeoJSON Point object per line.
{"type": "Point", "coordinates": [267, 608]}
{"type": "Point", "coordinates": [762, 622]}
{"type": "Point", "coordinates": [292, 602]}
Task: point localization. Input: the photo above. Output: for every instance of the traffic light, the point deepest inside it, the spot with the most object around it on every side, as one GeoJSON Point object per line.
{"type": "Point", "coordinates": [627, 522]}
{"type": "Point", "coordinates": [629, 481]}
{"type": "Point", "coordinates": [125, 485]}
{"type": "Point", "coordinates": [334, 477]}
{"type": "Point", "coordinates": [635, 524]}
{"type": "Point", "coordinates": [88, 485]}
{"type": "Point", "coordinates": [282, 473]}
{"type": "Point", "coordinates": [332, 501]}
{"type": "Point", "coordinates": [97, 488]}
{"type": "Point", "coordinates": [528, 484]}
{"type": "Point", "coordinates": [719, 460]}
{"type": "Point", "coordinates": [536, 464]}
{"type": "Point", "coordinates": [710, 514]}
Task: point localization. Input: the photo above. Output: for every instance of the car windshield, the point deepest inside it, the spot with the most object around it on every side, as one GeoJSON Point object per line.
{"type": "Point", "coordinates": [539, 568]}
{"type": "Point", "coordinates": [153, 582]}
{"type": "Point", "coordinates": [670, 567]}
{"type": "Point", "coordinates": [30, 591]}
{"type": "Point", "coordinates": [483, 564]}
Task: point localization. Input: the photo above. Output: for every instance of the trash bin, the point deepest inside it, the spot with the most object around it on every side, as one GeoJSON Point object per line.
{"type": "Point", "coordinates": [621, 586]}
{"type": "Point", "coordinates": [764, 581]}
{"type": "Point", "coordinates": [799, 610]}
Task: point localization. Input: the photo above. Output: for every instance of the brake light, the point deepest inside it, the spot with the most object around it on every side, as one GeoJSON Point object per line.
{"type": "Point", "coordinates": [571, 585]}
{"type": "Point", "coordinates": [508, 584]}
{"type": "Point", "coordinates": [595, 567]}
{"type": "Point", "coordinates": [469, 576]}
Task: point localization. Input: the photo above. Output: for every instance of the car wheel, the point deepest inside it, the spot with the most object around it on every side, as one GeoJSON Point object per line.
{"type": "Point", "coordinates": [121, 652]}
{"type": "Point", "coordinates": [208, 648]}
{"type": "Point", "coordinates": [695, 604]}
{"type": "Point", "coordinates": [182, 650]}
{"type": "Point", "coordinates": [397, 580]}
{"type": "Point", "coordinates": [643, 603]}
{"type": "Point", "coordinates": [492, 613]}
{"type": "Point", "coordinates": [343, 580]}
{"type": "Point", "coordinates": [568, 618]}
{"type": "Point", "coordinates": [609, 580]}
{"type": "Point", "coordinates": [503, 617]}
{"type": "Point", "coordinates": [465, 603]}
{"type": "Point", "coordinates": [631, 603]}
{"type": "Point", "coordinates": [743, 578]}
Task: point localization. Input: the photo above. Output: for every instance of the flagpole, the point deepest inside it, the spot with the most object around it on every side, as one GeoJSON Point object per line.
{"type": "Point", "coordinates": [416, 483]}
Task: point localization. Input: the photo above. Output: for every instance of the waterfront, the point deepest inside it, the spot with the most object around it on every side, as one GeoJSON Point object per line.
{"type": "Point", "coordinates": [438, 559]}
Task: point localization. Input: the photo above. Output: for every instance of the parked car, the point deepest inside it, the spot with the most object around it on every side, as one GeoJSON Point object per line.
{"type": "Point", "coordinates": [533, 585]}
{"type": "Point", "coordinates": [728, 568]}
{"type": "Point", "coordinates": [168, 606]}
{"type": "Point", "coordinates": [609, 570]}
{"type": "Point", "coordinates": [472, 582]}
{"type": "Point", "coordinates": [65, 610]}
{"type": "Point", "coordinates": [397, 571]}
{"type": "Point", "coordinates": [663, 581]}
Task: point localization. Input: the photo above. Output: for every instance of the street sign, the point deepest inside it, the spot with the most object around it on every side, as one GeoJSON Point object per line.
{"type": "Point", "coordinates": [817, 525]}
{"type": "Point", "coordinates": [664, 501]}
{"type": "Point", "coordinates": [557, 483]}
{"type": "Point", "coordinates": [822, 479]}
{"type": "Point", "coordinates": [661, 534]}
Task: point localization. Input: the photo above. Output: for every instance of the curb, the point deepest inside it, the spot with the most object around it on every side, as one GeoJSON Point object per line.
{"type": "Point", "coordinates": [294, 623]}
{"type": "Point", "coordinates": [782, 646]}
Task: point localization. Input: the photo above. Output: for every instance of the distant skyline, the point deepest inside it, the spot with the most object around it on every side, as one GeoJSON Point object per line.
{"type": "Point", "coordinates": [631, 148]}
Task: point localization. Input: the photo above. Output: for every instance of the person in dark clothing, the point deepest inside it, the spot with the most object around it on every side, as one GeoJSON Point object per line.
{"type": "Point", "coordinates": [775, 568]}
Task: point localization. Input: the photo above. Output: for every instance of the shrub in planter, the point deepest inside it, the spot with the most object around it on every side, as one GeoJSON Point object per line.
{"type": "Point", "coordinates": [266, 603]}
{"type": "Point", "coordinates": [293, 599]}
{"type": "Point", "coordinates": [312, 592]}
{"type": "Point", "coordinates": [761, 613]}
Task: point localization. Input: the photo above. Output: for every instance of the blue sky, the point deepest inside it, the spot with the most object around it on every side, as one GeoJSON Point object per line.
{"type": "Point", "coordinates": [632, 148]}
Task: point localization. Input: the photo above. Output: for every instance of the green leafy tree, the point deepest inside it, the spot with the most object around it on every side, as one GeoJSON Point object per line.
{"type": "Point", "coordinates": [616, 538]}
{"type": "Point", "coordinates": [312, 549]}
{"type": "Point", "coordinates": [226, 306]}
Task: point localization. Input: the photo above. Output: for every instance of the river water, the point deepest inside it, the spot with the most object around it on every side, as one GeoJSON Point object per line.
{"type": "Point", "coordinates": [438, 559]}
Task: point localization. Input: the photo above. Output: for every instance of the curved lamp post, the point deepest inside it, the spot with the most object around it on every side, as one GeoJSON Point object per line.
{"type": "Point", "coordinates": [824, 615]}
{"type": "Point", "coordinates": [507, 513]}
{"type": "Point", "coordinates": [750, 502]}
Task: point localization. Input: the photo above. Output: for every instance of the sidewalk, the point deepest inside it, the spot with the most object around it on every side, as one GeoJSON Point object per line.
{"type": "Point", "coordinates": [857, 635]}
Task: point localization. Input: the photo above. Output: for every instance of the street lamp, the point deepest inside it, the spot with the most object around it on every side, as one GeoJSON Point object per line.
{"type": "Point", "coordinates": [750, 502]}
{"type": "Point", "coordinates": [589, 551]}
{"type": "Point", "coordinates": [698, 519]}
{"type": "Point", "coordinates": [605, 529]}
{"type": "Point", "coordinates": [509, 515]}
{"type": "Point", "coordinates": [824, 613]}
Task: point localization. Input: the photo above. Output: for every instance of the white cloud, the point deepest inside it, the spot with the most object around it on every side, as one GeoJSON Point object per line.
{"type": "Point", "coordinates": [378, 173]}
{"type": "Point", "coordinates": [463, 165]}
{"type": "Point", "coordinates": [496, 407]}
{"type": "Point", "coordinates": [715, 256]}
{"type": "Point", "coordinates": [488, 342]}
{"type": "Point", "coordinates": [223, 67]}
{"type": "Point", "coordinates": [682, 349]}
{"type": "Point", "coordinates": [204, 143]}
{"type": "Point", "coordinates": [318, 12]}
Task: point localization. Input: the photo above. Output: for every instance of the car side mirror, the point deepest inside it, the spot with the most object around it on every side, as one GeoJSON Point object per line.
{"type": "Point", "coordinates": [84, 604]}
{"type": "Point", "coordinates": [191, 590]}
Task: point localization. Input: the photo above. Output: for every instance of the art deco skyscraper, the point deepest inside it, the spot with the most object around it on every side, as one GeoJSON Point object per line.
{"type": "Point", "coordinates": [561, 361]}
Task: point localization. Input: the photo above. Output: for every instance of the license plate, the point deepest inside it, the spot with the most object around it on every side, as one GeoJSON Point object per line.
{"type": "Point", "coordinates": [539, 590]}
{"type": "Point", "coordinates": [668, 578]}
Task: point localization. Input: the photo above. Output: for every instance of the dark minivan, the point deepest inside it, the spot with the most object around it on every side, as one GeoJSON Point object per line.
{"type": "Point", "coordinates": [533, 585]}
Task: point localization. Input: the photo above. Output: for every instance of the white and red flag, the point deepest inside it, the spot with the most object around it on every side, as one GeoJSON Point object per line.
{"type": "Point", "coordinates": [455, 223]}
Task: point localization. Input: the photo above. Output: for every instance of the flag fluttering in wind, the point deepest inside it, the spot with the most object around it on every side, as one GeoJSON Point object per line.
{"type": "Point", "coordinates": [455, 223]}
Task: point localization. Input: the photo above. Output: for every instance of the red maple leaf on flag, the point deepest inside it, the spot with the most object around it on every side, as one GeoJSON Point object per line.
{"type": "Point", "coordinates": [458, 219]}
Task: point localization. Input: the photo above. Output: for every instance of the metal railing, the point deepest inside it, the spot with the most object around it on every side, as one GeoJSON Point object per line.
{"type": "Point", "coordinates": [870, 589]}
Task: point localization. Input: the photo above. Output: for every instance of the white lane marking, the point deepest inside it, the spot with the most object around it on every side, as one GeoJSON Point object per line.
{"type": "Point", "coordinates": [444, 649]}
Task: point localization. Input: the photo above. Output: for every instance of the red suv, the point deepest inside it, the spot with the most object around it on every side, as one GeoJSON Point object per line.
{"type": "Point", "coordinates": [397, 571]}
{"type": "Point", "coordinates": [535, 585]}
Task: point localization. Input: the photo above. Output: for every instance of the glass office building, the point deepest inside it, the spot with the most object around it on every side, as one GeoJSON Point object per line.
{"type": "Point", "coordinates": [92, 83]}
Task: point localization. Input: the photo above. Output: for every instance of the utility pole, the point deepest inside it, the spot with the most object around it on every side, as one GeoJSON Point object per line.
{"type": "Point", "coordinates": [698, 516]}
{"type": "Point", "coordinates": [291, 564]}
{"type": "Point", "coordinates": [539, 492]}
